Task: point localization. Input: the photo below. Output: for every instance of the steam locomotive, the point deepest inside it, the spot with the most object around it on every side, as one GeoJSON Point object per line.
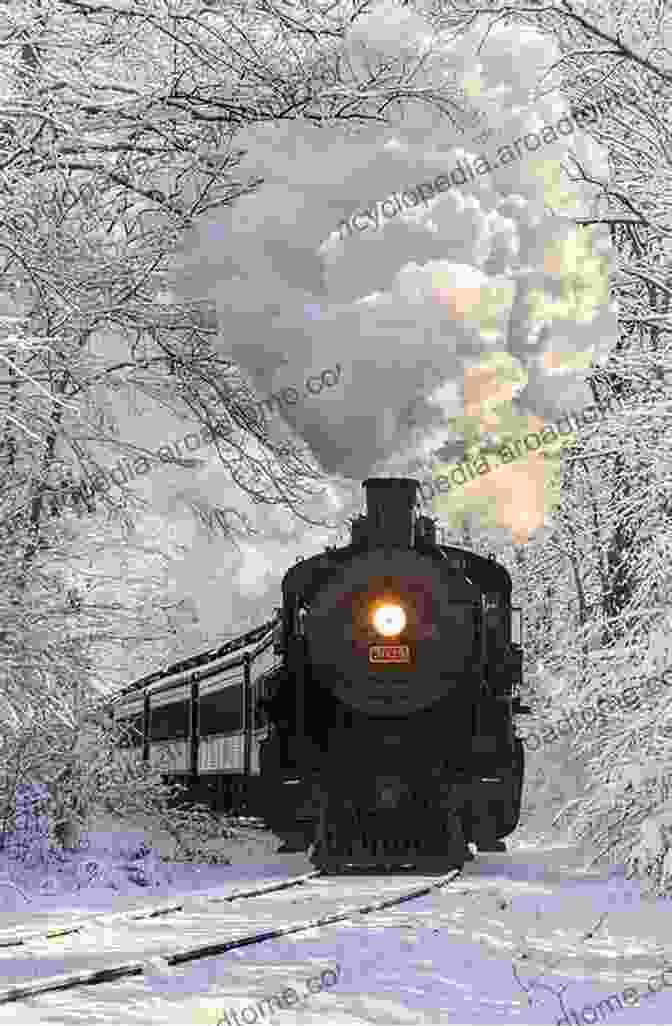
{"type": "Point", "coordinates": [391, 738]}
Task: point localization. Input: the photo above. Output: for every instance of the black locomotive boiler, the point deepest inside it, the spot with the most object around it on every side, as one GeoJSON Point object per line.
{"type": "Point", "coordinates": [391, 715]}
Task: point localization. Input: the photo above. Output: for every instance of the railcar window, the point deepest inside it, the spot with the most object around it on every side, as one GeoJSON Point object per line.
{"type": "Point", "coordinates": [169, 721]}
{"type": "Point", "coordinates": [221, 712]}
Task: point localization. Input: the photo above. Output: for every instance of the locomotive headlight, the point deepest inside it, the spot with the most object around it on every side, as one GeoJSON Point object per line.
{"type": "Point", "coordinates": [389, 620]}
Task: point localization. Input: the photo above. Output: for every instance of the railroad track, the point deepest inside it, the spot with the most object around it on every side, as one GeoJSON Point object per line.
{"type": "Point", "coordinates": [11, 940]}
{"type": "Point", "coordinates": [192, 917]}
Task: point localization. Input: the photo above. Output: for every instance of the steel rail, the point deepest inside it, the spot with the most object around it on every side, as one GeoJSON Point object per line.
{"type": "Point", "coordinates": [216, 947]}
{"type": "Point", "coordinates": [153, 911]}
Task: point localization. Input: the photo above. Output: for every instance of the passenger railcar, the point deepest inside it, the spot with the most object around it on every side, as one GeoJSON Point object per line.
{"type": "Point", "coordinates": [201, 720]}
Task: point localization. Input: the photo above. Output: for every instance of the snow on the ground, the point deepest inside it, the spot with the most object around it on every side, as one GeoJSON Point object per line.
{"type": "Point", "coordinates": [498, 946]}
{"type": "Point", "coordinates": [111, 873]}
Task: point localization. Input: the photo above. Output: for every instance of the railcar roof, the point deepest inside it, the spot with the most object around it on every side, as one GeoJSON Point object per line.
{"type": "Point", "coordinates": [246, 640]}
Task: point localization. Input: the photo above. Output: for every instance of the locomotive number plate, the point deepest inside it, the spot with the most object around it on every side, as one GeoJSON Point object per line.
{"type": "Point", "coordinates": [389, 654]}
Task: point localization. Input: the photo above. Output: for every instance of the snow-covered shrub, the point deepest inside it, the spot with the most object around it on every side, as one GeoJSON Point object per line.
{"type": "Point", "coordinates": [146, 870]}
{"type": "Point", "coordinates": [132, 790]}
{"type": "Point", "coordinates": [88, 873]}
{"type": "Point", "coordinates": [192, 826]}
{"type": "Point", "coordinates": [139, 851]}
{"type": "Point", "coordinates": [651, 858]}
{"type": "Point", "coordinates": [80, 773]}
{"type": "Point", "coordinates": [187, 852]}
{"type": "Point", "coordinates": [28, 842]}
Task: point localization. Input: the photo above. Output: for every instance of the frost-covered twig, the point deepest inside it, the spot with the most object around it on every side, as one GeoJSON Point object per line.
{"type": "Point", "coordinates": [9, 883]}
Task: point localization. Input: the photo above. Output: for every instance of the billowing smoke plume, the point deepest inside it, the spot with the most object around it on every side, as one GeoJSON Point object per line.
{"type": "Point", "coordinates": [461, 254]}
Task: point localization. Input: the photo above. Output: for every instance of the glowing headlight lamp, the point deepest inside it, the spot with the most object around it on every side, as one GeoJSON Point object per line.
{"type": "Point", "coordinates": [389, 619]}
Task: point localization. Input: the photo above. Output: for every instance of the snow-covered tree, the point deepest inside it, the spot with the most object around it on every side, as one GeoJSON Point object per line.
{"type": "Point", "coordinates": [612, 529]}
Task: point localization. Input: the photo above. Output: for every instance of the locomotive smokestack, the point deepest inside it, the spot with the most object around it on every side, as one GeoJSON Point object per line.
{"type": "Point", "coordinates": [390, 503]}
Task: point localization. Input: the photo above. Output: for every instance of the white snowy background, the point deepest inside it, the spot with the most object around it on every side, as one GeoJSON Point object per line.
{"type": "Point", "coordinates": [292, 300]}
